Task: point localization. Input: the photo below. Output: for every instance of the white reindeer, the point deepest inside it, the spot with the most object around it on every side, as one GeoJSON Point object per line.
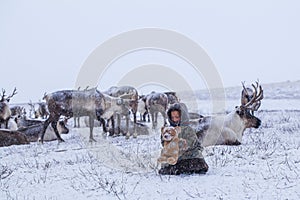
{"type": "Point", "coordinates": [116, 107]}
{"type": "Point", "coordinates": [130, 93]}
{"type": "Point", "coordinates": [229, 129]}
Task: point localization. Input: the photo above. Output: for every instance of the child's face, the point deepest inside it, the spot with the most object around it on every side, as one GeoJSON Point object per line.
{"type": "Point", "coordinates": [175, 116]}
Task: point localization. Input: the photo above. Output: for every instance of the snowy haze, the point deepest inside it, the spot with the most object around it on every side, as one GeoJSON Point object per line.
{"type": "Point", "coordinates": [265, 166]}
{"type": "Point", "coordinates": [45, 43]}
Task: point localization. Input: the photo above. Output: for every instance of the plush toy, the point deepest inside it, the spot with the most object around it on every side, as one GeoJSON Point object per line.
{"type": "Point", "coordinates": [172, 145]}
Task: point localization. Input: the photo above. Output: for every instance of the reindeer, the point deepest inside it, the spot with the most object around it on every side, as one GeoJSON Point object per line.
{"type": "Point", "coordinates": [229, 129]}
{"type": "Point", "coordinates": [91, 103]}
{"type": "Point", "coordinates": [130, 92]}
{"type": "Point", "coordinates": [42, 111]}
{"type": "Point", "coordinates": [31, 109]}
{"type": "Point", "coordinates": [172, 98]}
{"type": "Point", "coordinates": [122, 108]}
{"type": "Point", "coordinates": [157, 103]}
{"type": "Point", "coordinates": [17, 111]}
{"type": "Point", "coordinates": [23, 122]}
{"type": "Point", "coordinates": [71, 103]}
{"type": "Point", "coordinates": [247, 95]}
{"type": "Point", "coordinates": [32, 129]}
{"type": "Point", "coordinates": [75, 117]}
{"type": "Point", "coordinates": [5, 112]}
{"type": "Point", "coordinates": [142, 109]}
{"type": "Point", "coordinates": [8, 137]}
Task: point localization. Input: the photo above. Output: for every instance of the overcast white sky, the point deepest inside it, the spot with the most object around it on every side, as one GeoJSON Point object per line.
{"type": "Point", "coordinates": [43, 44]}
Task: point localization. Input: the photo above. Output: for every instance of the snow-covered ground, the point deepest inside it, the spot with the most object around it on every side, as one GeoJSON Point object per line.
{"type": "Point", "coordinates": [265, 166]}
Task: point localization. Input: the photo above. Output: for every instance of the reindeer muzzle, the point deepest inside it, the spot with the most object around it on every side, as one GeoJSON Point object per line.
{"type": "Point", "coordinates": [258, 123]}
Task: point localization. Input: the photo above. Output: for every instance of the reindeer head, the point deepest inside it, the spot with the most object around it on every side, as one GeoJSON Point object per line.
{"type": "Point", "coordinates": [247, 107]}
{"type": "Point", "coordinates": [7, 99]}
{"type": "Point", "coordinates": [248, 119]}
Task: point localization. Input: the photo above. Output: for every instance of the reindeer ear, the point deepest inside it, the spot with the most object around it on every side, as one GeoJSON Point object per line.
{"type": "Point", "coordinates": [125, 96]}
{"type": "Point", "coordinates": [238, 110]}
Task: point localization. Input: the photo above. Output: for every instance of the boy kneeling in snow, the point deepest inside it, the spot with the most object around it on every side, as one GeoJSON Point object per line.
{"type": "Point", "coordinates": [191, 160]}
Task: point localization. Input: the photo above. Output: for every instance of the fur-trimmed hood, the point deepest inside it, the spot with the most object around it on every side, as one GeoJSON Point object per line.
{"type": "Point", "coordinates": [184, 115]}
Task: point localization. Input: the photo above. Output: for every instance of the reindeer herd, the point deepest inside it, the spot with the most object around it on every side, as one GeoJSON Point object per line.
{"type": "Point", "coordinates": [49, 121]}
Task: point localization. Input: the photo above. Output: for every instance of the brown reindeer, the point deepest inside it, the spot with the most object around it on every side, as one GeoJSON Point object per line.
{"type": "Point", "coordinates": [5, 112]}
{"type": "Point", "coordinates": [17, 111]}
{"type": "Point", "coordinates": [41, 111]}
{"type": "Point", "coordinates": [73, 102]}
{"type": "Point", "coordinates": [32, 129]}
{"type": "Point", "coordinates": [75, 117]}
{"type": "Point", "coordinates": [172, 97]}
{"type": "Point", "coordinates": [91, 103]}
{"type": "Point", "coordinates": [8, 137]}
{"type": "Point", "coordinates": [157, 103]}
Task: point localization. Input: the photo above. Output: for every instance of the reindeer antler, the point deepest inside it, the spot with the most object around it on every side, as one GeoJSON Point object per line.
{"type": "Point", "coordinates": [13, 94]}
{"type": "Point", "coordinates": [256, 97]}
{"type": "Point", "coordinates": [245, 89]}
{"type": "Point", "coordinates": [3, 95]}
{"type": "Point", "coordinates": [260, 95]}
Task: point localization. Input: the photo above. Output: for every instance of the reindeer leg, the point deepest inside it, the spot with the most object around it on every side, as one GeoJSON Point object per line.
{"type": "Point", "coordinates": [54, 126]}
{"type": "Point", "coordinates": [148, 116]}
{"type": "Point", "coordinates": [153, 121]}
{"type": "Point", "coordinates": [118, 116]}
{"type": "Point", "coordinates": [143, 116]}
{"type": "Point", "coordinates": [127, 127]}
{"type": "Point", "coordinates": [74, 122]}
{"type": "Point", "coordinates": [46, 124]}
{"type": "Point", "coordinates": [134, 130]}
{"type": "Point", "coordinates": [91, 123]}
{"type": "Point", "coordinates": [107, 124]}
{"type": "Point", "coordinates": [104, 128]}
{"type": "Point", "coordinates": [78, 122]}
{"type": "Point", "coordinates": [6, 123]}
{"type": "Point", "coordinates": [165, 117]}
{"type": "Point", "coordinates": [113, 126]}
{"type": "Point", "coordinates": [134, 117]}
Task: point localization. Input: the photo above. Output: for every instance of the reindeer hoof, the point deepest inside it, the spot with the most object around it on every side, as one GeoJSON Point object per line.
{"type": "Point", "coordinates": [40, 140]}
{"type": "Point", "coordinates": [60, 140]}
{"type": "Point", "coordinates": [92, 140]}
{"type": "Point", "coordinates": [233, 143]}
